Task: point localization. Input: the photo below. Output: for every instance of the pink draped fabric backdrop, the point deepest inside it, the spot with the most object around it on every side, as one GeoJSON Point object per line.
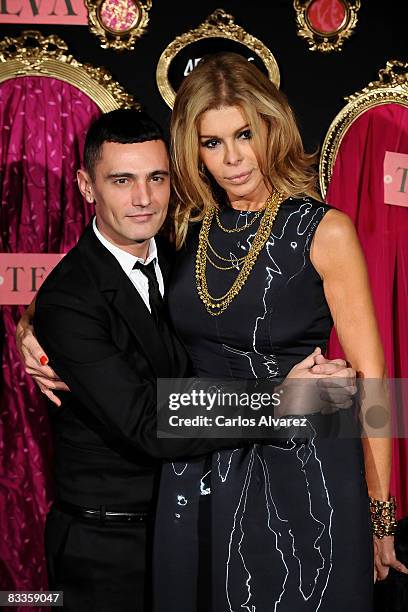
{"type": "Point", "coordinates": [357, 188]}
{"type": "Point", "coordinates": [43, 122]}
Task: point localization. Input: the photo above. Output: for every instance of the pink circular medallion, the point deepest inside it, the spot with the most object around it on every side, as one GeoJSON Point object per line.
{"type": "Point", "coordinates": [118, 15]}
{"type": "Point", "coordinates": [326, 16]}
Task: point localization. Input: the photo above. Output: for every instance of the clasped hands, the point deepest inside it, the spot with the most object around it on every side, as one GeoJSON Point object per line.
{"type": "Point", "coordinates": [337, 382]}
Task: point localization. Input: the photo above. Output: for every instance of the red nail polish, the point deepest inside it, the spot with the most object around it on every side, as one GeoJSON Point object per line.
{"type": "Point", "coordinates": [43, 360]}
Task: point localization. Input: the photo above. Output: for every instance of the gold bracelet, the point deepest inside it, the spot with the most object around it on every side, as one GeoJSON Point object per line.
{"type": "Point", "coordinates": [383, 517]}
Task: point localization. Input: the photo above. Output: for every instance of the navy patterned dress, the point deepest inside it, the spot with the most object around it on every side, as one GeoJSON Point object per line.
{"type": "Point", "coordinates": [272, 527]}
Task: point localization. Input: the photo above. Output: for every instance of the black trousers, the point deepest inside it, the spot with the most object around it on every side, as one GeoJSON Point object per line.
{"type": "Point", "coordinates": [100, 567]}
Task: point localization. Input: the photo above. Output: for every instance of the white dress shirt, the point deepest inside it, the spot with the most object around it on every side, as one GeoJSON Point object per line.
{"type": "Point", "coordinates": [127, 261]}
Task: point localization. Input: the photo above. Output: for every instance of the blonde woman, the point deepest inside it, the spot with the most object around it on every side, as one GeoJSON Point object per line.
{"type": "Point", "coordinates": [264, 268]}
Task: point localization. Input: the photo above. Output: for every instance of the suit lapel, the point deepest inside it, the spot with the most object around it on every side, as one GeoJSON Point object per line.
{"type": "Point", "coordinates": [123, 296]}
{"type": "Point", "coordinates": [133, 310]}
{"type": "Point", "coordinates": [166, 255]}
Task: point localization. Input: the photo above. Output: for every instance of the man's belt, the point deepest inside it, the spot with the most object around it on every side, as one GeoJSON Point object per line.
{"type": "Point", "coordinates": [117, 514]}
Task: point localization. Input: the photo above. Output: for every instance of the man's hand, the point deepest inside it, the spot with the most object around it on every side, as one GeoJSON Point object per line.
{"type": "Point", "coordinates": [35, 361]}
{"type": "Point", "coordinates": [320, 385]}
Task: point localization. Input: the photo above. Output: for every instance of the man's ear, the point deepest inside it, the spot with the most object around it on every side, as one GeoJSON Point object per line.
{"type": "Point", "coordinates": [85, 185]}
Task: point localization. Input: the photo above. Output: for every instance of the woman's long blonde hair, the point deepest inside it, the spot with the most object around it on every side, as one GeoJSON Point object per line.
{"type": "Point", "coordinates": [227, 79]}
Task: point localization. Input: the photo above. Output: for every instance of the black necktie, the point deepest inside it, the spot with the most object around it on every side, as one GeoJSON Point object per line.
{"type": "Point", "coordinates": [158, 310]}
{"type": "Point", "coordinates": [155, 297]}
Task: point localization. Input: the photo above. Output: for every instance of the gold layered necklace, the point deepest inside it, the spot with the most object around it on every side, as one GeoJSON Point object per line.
{"type": "Point", "coordinates": [237, 229]}
{"type": "Point", "coordinates": [235, 261]}
{"type": "Point", "coordinates": [216, 305]}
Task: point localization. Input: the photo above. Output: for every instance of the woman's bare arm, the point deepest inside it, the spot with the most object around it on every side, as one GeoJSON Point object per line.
{"type": "Point", "coordinates": [337, 256]}
{"type": "Point", "coordinates": [35, 359]}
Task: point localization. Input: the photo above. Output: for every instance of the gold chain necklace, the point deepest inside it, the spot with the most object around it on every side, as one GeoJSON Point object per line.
{"type": "Point", "coordinates": [227, 259]}
{"type": "Point", "coordinates": [238, 229]}
{"type": "Point", "coordinates": [221, 267]}
{"type": "Point", "coordinates": [216, 305]}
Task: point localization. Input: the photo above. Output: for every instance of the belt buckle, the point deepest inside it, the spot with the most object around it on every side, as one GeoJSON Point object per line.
{"type": "Point", "coordinates": [126, 516]}
{"type": "Point", "coordinates": [103, 515]}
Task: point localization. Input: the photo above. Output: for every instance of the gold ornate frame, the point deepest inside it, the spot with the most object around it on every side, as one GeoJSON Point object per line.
{"type": "Point", "coordinates": [115, 39]}
{"type": "Point", "coordinates": [391, 87]}
{"type": "Point", "coordinates": [218, 25]}
{"type": "Point", "coordinates": [34, 54]}
{"type": "Point", "coordinates": [322, 41]}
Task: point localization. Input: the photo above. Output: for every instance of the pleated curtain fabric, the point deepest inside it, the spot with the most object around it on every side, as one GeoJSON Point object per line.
{"type": "Point", "coordinates": [43, 122]}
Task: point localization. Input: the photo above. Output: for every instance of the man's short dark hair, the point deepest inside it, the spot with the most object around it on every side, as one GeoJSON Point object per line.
{"type": "Point", "coordinates": [124, 126]}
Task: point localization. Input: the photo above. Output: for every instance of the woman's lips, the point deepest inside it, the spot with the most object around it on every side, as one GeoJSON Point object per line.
{"type": "Point", "coordinates": [239, 179]}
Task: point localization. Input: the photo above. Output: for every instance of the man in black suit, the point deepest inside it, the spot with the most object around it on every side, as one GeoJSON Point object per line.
{"type": "Point", "coordinates": [99, 317]}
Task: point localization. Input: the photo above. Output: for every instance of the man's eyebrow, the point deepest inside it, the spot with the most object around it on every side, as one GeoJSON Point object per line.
{"type": "Point", "coordinates": [121, 175]}
{"type": "Point", "coordinates": [241, 129]}
{"type": "Point", "coordinates": [159, 172]}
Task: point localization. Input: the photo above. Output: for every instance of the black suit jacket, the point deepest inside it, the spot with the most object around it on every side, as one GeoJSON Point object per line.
{"type": "Point", "coordinates": [103, 342]}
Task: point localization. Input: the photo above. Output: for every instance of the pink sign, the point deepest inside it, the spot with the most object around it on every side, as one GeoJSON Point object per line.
{"type": "Point", "coordinates": [396, 178]}
{"type": "Point", "coordinates": [22, 274]}
{"type": "Point", "coordinates": [65, 12]}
